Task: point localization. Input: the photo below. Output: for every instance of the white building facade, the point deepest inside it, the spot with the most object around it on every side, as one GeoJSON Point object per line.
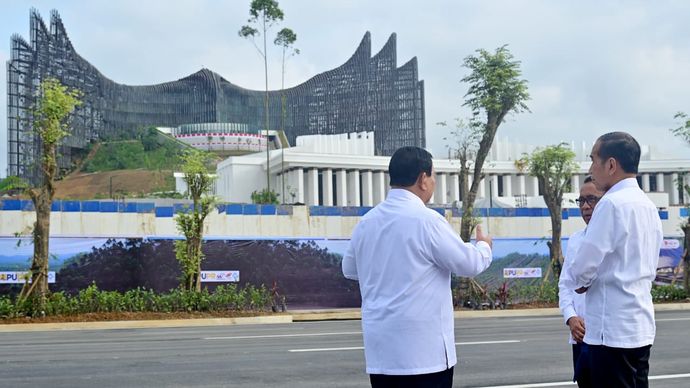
{"type": "Point", "coordinates": [342, 170]}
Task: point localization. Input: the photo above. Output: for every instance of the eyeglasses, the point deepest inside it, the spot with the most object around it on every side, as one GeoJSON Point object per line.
{"type": "Point", "coordinates": [591, 200]}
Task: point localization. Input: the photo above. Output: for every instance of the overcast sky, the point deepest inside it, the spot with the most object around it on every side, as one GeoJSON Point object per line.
{"type": "Point", "coordinates": [592, 66]}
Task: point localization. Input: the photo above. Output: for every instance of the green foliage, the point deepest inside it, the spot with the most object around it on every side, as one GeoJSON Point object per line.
{"type": "Point", "coordinates": [55, 104]}
{"type": "Point", "coordinates": [683, 130]}
{"type": "Point", "coordinates": [13, 184]}
{"type": "Point", "coordinates": [148, 153]}
{"type": "Point", "coordinates": [495, 84]}
{"type": "Point", "coordinates": [668, 293]}
{"type": "Point", "coordinates": [265, 197]}
{"type": "Point", "coordinates": [93, 300]}
{"type": "Point", "coordinates": [552, 166]}
{"type": "Point", "coordinates": [285, 38]}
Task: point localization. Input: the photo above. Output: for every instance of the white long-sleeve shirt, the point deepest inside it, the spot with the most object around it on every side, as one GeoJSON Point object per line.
{"type": "Point", "coordinates": [617, 260]}
{"type": "Point", "coordinates": [570, 303]}
{"type": "Point", "coordinates": [403, 253]}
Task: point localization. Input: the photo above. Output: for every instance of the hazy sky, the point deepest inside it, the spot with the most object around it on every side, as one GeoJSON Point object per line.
{"type": "Point", "coordinates": [592, 66]}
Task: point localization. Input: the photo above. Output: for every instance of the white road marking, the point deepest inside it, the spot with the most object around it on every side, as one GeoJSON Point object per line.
{"type": "Point", "coordinates": [569, 383]}
{"type": "Point", "coordinates": [284, 335]}
{"type": "Point", "coordinates": [673, 319]}
{"type": "Point", "coordinates": [362, 348]}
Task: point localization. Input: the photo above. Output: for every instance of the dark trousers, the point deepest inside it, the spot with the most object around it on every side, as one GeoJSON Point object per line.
{"type": "Point", "coordinates": [443, 379]}
{"type": "Point", "coordinates": [618, 367]}
{"type": "Point", "coordinates": [581, 365]}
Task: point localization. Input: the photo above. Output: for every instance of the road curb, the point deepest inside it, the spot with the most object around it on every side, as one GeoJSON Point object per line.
{"type": "Point", "coordinates": [161, 323]}
{"type": "Point", "coordinates": [295, 316]}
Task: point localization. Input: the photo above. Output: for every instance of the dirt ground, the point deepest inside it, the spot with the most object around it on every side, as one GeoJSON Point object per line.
{"type": "Point", "coordinates": [124, 182]}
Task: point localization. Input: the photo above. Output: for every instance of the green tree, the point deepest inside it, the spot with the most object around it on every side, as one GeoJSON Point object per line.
{"type": "Point", "coordinates": [191, 222]}
{"type": "Point", "coordinates": [464, 144]}
{"type": "Point", "coordinates": [50, 121]}
{"type": "Point", "coordinates": [683, 131]}
{"type": "Point", "coordinates": [264, 14]}
{"type": "Point", "coordinates": [12, 185]}
{"type": "Point", "coordinates": [495, 90]}
{"type": "Point", "coordinates": [553, 166]}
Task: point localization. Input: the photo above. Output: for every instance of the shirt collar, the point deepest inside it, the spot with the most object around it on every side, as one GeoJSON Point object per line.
{"type": "Point", "coordinates": [404, 195]}
{"type": "Point", "coordinates": [623, 184]}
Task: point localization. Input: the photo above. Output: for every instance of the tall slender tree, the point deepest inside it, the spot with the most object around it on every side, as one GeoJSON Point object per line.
{"type": "Point", "coordinates": [264, 15]}
{"type": "Point", "coordinates": [495, 90]}
{"type": "Point", "coordinates": [683, 131]}
{"type": "Point", "coordinates": [50, 121]}
{"type": "Point", "coordinates": [553, 166]}
{"type": "Point", "coordinates": [285, 39]}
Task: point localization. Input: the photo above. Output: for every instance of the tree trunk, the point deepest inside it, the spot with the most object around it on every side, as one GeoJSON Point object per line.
{"type": "Point", "coordinates": [556, 251]}
{"type": "Point", "coordinates": [41, 234]}
{"type": "Point", "coordinates": [686, 259]}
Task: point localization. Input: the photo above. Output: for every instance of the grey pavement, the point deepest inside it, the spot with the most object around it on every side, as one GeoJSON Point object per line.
{"type": "Point", "coordinates": [493, 351]}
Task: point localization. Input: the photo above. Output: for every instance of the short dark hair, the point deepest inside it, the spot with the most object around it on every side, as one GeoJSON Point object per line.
{"type": "Point", "coordinates": [588, 179]}
{"type": "Point", "coordinates": [406, 164]}
{"type": "Point", "coordinates": [622, 147]}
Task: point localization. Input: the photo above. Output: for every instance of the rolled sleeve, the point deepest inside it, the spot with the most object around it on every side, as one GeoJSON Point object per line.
{"type": "Point", "coordinates": [450, 252]}
{"type": "Point", "coordinates": [349, 264]}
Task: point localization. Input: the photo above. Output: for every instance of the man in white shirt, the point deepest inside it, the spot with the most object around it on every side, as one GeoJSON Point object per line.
{"type": "Point", "coordinates": [572, 304]}
{"type": "Point", "coordinates": [402, 253]}
{"type": "Point", "coordinates": [616, 264]}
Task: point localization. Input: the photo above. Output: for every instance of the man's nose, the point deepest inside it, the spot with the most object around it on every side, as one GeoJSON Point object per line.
{"type": "Point", "coordinates": [590, 168]}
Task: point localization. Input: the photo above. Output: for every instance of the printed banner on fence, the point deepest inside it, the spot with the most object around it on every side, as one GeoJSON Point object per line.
{"type": "Point", "coordinates": [220, 276]}
{"type": "Point", "coordinates": [521, 272]}
{"type": "Point", "coordinates": [17, 277]}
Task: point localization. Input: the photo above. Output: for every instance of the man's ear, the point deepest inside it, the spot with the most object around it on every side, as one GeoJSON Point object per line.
{"type": "Point", "coordinates": [613, 166]}
{"type": "Point", "coordinates": [421, 182]}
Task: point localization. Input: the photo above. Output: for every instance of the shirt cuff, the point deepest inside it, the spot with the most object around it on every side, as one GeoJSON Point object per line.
{"type": "Point", "coordinates": [484, 247]}
{"type": "Point", "coordinates": [568, 312]}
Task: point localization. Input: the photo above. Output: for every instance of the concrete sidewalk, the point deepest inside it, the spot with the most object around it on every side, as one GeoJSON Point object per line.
{"type": "Point", "coordinates": [292, 316]}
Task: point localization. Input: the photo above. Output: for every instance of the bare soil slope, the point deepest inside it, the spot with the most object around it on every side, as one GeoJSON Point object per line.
{"type": "Point", "coordinates": [124, 182]}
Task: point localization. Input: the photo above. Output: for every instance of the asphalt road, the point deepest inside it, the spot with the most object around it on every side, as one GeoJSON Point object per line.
{"type": "Point", "coordinates": [492, 352]}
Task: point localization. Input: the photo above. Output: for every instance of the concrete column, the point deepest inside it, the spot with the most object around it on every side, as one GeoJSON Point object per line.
{"type": "Point", "coordinates": [645, 183]}
{"type": "Point", "coordinates": [454, 188]}
{"type": "Point", "coordinates": [387, 184]}
{"type": "Point", "coordinates": [353, 188]}
{"type": "Point", "coordinates": [535, 186]}
{"type": "Point", "coordinates": [686, 188]}
{"type": "Point", "coordinates": [379, 187]}
{"type": "Point", "coordinates": [298, 185]}
{"type": "Point", "coordinates": [312, 187]}
{"type": "Point", "coordinates": [441, 194]}
{"type": "Point", "coordinates": [481, 191]}
{"type": "Point", "coordinates": [327, 187]}
{"type": "Point", "coordinates": [367, 189]}
{"type": "Point", "coordinates": [341, 186]}
{"type": "Point", "coordinates": [493, 179]}
{"type": "Point", "coordinates": [507, 185]}
{"type": "Point", "coordinates": [521, 185]}
{"type": "Point", "coordinates": [660, 183]}
{"type": "Point", "coordinates": [575, 183]}
{"type": "Point", "coordinates": [675, 197]}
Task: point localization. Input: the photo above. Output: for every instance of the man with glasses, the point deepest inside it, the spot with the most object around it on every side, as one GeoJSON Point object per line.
{"type": "Point", "coordinates": [572, 304]}
{"type": "Point", "coordinates": [616, 264]}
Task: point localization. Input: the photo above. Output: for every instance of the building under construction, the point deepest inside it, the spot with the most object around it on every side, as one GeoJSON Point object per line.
{"type": "Point", "coordinates": [364, 94]}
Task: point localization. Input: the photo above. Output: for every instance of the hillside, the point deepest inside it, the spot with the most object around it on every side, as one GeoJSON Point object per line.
{"type": "Point", "coordinates": [124, 168]}
{"type": "Point", "coordinates": [119, 183]}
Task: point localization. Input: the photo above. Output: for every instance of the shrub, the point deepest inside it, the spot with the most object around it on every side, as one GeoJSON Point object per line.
{"type": "Point", "coordinates": [91, 300]}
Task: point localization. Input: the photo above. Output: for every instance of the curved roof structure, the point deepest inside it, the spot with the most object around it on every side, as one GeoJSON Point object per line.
{"type": "Point", "coordinates": [364, 94]}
